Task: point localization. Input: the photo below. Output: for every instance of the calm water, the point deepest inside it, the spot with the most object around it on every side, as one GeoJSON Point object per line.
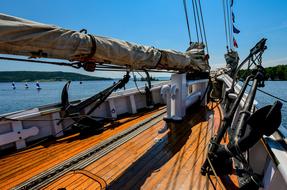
{"type": "Point", "coordinates": [277, 88]}
{"type": "Point", "coordinates": [21, 98]}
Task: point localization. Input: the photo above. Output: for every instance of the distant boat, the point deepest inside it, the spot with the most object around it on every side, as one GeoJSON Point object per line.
{"type": "Point", "coordinates": [13, 85]}
{"type": "Point", "coordinates": [81, 82]}
{"type": "Point", "coordinates": [38, 86]}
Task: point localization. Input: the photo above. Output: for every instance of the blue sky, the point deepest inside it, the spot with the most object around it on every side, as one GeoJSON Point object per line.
{"type": "Point", "coordinates": [159, 23]}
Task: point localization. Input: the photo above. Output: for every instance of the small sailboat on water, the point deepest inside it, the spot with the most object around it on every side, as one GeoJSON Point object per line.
{"type": "Point", "coordinates": [13, 85]}
{"type": "Point", "coordinates": [38, 87]}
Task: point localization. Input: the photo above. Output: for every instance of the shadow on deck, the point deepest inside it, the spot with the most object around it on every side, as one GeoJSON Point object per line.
{"type": "Point", "coordinates": [162, 151]}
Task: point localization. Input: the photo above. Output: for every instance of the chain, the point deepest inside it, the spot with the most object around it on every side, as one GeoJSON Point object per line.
{"type": "Point", "coordinates": [77, 162]}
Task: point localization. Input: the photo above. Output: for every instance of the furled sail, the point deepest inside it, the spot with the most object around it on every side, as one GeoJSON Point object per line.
{"type": "Point", "coordinates": [23, 37]}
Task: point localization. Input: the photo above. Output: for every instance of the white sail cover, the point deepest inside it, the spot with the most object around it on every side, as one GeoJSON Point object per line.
{"type": "Point", "coordinates": [23, 37]}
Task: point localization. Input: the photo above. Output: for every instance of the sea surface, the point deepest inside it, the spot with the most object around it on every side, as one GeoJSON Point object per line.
{"type": "Point", "coordinates": [21, 98]}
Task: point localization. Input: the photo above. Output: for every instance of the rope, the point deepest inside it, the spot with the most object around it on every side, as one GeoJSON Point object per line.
{"type": "Point", "coordinates": [75, 64]}
{"type": "Point", "coordinates": [273, 96]}
{"type": "Point", "coordinates": [199, 20]}
{"type": "Point", "coordinates": [229, 24]}
{"type": "Point", "coordinates": [268, 94]}
{"type": "Point", "coordinates": [203, 27]}
{"type": "Point", "coordinates": [215, 174]}
{"type": "Point", "coordinates": [59, 119]}
{"type": "Point", "coordinates": [195, 20]}
{"type": "Point", "coordinates": [78, 65]}
{"type": "Point", "coordinates": [140, 75]}
{"type": "Point", "coordinates": [213, 185]}
{"type": "Point", "coordinates": [262, 91]}
{"type": "Point", "coordinates": [187, 21]}
{"type": "Point", "coordinates": [225, 25]}
{"type": "Point", "coordinates": [98, 179]}
{"type": "Point", "coordinates": [137, 84]}
{"type": "Point", "coordinates": [210, 163]}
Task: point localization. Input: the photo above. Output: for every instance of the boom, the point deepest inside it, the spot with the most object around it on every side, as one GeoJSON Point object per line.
{"type": "Point", "coordinates": [23, 37]}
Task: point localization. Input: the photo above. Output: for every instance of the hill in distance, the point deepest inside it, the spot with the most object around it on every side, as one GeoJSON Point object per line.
{"type": "Point", "coordinates": [31, 76]}
{"type": "Point", "coordinates": [278, 72]}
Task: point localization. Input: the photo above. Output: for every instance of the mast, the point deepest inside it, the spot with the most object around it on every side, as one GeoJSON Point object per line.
{"type": "Point", "coordinates": [36, 40]}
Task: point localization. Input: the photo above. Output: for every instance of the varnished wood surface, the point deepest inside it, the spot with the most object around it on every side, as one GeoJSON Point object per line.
{"type": "Point", "coordinates": [165, 156]}
{"type": "Point", "coordinates": [18, 167]}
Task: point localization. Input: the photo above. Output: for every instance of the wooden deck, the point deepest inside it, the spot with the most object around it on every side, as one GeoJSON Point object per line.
{"type": "Point", "coordinates": [18, 167]}
{"type": "Point", "coordinates": [165, 156]}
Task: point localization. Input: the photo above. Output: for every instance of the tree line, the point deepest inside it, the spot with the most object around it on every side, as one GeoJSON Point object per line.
{"type": "Point", "coordinates": [278, 72]}
{"type": "Point", "coordinates": [31, 76]}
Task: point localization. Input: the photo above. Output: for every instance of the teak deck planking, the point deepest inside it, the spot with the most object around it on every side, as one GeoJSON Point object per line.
{"type": "Point", "coordinates": [174, 162]}
{"type": "Point", "coordinates": [165, 156]}
{"type": "Point", "coordinates": [19, 167]}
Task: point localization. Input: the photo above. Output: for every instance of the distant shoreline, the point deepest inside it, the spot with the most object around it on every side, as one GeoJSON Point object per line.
{"type": "Point", "coordinates": [33, 76]}
{"type": "Point", "coordinates": [40, 81]}
{"type": "Point", "coordinates": [276, 73]}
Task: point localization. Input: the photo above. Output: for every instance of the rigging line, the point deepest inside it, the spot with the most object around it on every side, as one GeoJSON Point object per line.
{"type": "Point", "coordinates": [37, 61]}
{"type": "Point", "coordinates": [207, 157]}
{"type": "Point", "coordinates": [215, 174]}
{"type": "Point", "coordinates": [187, 21]}
{"type": "Point", "coordinates": [268, 94]}
{"type": "Point", "coordinates": [72, 64]}
{"type": "Point", "coordinates": [203, 27]}
{"type": "Point", "coordinates": [117, 70]}
{"type": "Point", "coordinates": [231, 21]}
{"type": "Point", "coordinates": [195, 20]}
{"type": "Point", "coordinates": [198, 19]}
{"type": "Point", "coordinates": [123, 70]}
{"type": "Point", "coordinates": [158, 71]}
{"type": "Point", "coordinates": [276, 97]}
{"type": "Point", "coordinates": [225, 25]}
{"type": "Point", "coordinates": [140, 74]}
{"type": "Point", "coordinates": [99, 67]}
{"type": "Point", "coordinates": [229, 24]}
{"type": "Point", "coordinates": [213, 185]}
{"type": "Point", "coordinates": [59, 119]}
{"type": "Point", "coordinates": [142, 77]}
{"type": "Point", "coordinates": [206, 146]}
{"type": "Point", "coordinates": [137, 84]}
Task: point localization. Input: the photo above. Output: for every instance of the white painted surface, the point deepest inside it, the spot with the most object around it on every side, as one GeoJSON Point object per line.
{"type": "Point", "coordinates": [133, 104]}
{"type": "Point", "coordinates": [166, 95]}
{"type": "Point", "coordinates": [57, 127]}
{"type": "Point", "coordinates": [18, 135]}
{"type": "Point", "coordinates": [178, 94]}
{"type": "Point", "coordinates": [112, 108]}
{"type": "Point", "coordinates": [193, 98]}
